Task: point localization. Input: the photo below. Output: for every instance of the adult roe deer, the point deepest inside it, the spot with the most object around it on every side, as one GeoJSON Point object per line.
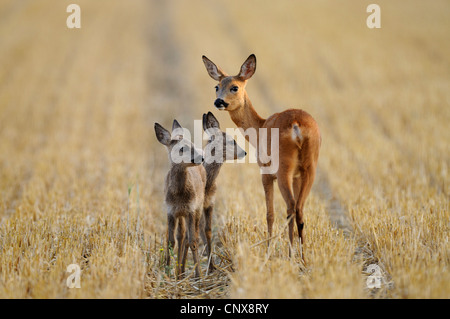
{"type": "Point", "coordinates": [219, 148]}
{"type": "Point", "coordinates": [184, 191]}
{"type": "Point", "coordinates": [299, 143]}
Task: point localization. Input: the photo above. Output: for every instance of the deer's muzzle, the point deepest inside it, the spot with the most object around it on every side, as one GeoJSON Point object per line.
{"type": "Point", "coordinates": [220, 104]}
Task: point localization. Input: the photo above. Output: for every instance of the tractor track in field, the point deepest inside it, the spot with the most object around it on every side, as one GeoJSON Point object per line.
{"type": "Point", "coordinates": [173, 92]}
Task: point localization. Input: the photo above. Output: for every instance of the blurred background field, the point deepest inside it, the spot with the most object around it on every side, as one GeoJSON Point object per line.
{"type": "Point", "coordinates": [81, 172]}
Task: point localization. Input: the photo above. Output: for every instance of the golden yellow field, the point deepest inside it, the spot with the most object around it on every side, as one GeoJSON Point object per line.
{"type": "Point", "coordinates": [81, 171]}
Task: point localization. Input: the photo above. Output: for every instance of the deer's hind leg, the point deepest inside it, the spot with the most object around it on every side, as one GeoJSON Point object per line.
{"type": "Point", "coordinates": [303, 187]}
{"type": "Point", "coordinates": [267, 181]}
{"type": "Point", "coordinates": [285, 183]}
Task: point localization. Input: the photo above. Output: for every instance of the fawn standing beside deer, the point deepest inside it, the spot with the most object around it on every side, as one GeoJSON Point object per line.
{"type": "Point", "coordinates": [190, 188]}
{"type": "Point", "coordinates": [184, 191]}
{"type": "Point", "coordinates": [219, 148]}
{"type": "Point", "coordinates": [299, 143]}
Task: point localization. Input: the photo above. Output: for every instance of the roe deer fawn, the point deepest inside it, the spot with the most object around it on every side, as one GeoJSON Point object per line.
{"type": "Point", "coordinates": [299, 143]}
{"type": "Point", "coordinates": [184, 191]}
{"type": "Point", "coordinates": [219, 148]}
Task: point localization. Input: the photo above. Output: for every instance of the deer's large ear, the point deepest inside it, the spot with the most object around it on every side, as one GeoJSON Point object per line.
{"type": "Point", "coordinates": [162, 134]}
{"type": "Point", "coordinates": [248, 68]}
{"type": "Point", "coordinates": [213, 70]}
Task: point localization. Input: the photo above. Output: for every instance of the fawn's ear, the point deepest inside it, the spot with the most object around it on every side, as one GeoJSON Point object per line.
{"type": "Point", "coordinates": [248, 68]}
{"type": "Point", "coordinates": [176, 125]}
{"type": "Point", "coordinates": [213, 70]}
{"type": "Point", "coordinates": [162, 134]}
{"type": "Point", "coordinates": [211, 121]}
{"type": "Point", "coordinates": [204, 122]}
{"type": "Point", "coordinates": [210, 124]}
{"type": "Point", "coordinates": [177, 130]}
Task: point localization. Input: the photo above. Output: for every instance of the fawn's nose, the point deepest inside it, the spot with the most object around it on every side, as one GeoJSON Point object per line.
{"type": "Point", "coordinates": [220, 104]}
{"type": "Point", "coordinates": [198, 159]}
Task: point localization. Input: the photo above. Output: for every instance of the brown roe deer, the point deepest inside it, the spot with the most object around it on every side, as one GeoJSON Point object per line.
{"type": "Point", "coordinates": [184, 191]}
{"type": "Point", "coordinates": [299, 143]}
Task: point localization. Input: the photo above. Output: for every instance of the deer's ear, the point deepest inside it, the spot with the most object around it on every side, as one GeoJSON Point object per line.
{"type": "Point", "coordinates": [248, 68]}
{"type": "Point", "coordinates": [177, 131]}
{"type": "Point", "coordinates": [205, 127]}
{"type": "Point", "coordinates": [176, 125]}
{"type": "Point", "coordinates": [211, 121]}
{"type": "Point", "coordinates": [162, 134]}
{"type": "Point", "coordinates": [213, 70]}
{"type": "Point", "coordinates": [210, 124]}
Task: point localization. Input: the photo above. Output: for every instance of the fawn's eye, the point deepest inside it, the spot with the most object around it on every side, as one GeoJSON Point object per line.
{"type": "Point", "coordinates": [234, 89]}
{"type": "Point", "coordinates": [217, 88]}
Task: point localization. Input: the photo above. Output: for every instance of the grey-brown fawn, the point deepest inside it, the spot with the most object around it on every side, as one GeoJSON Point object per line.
{"type": "Point", "coordinates": [184, 191]}
{"type": "Point", "coordinates": [219, 148]}
{"type": "Point", "coordinates": [298, 148]}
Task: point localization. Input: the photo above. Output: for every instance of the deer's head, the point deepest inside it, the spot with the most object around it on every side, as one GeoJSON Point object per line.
{"type": "Point", "coordinates": [230, 91]}
{"type": "Point", "coordinates": [221, 146]}
{"type": "Point", "coordinates": [181, 150]}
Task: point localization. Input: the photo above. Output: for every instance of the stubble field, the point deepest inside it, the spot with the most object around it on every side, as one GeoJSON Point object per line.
{"type": "Point", "coordinates": [81, 171]}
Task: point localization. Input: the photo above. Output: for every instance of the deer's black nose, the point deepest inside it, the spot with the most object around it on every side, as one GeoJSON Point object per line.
{"type": "Point", "coordinates": [219, 103]}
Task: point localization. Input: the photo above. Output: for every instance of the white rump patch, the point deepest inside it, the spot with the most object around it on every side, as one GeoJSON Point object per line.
{"type": "Point", "coordinates": [296, 132]}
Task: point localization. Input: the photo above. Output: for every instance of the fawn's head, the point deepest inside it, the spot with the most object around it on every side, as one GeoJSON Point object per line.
{"type": "Point", "coordinates": [220, 145]}
{"type": "Point", "coordinates": [181, 151]}
{"type": "Point", "coordinates": [230, 92]}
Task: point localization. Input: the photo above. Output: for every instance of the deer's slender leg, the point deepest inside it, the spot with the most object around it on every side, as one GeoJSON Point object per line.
{"type": "Point", "coordinates": [285, 182]}
{"type": "Point", "coordinates": [307, 179]}
{"type": "Point", "coordinates": [182, 249]}
{"type": "Point", "coordinates": [208, 234]}
{"type": "Point", "coordinates": [171, 221]}
{"type": "Point", "coordinates": [193, 233]}
{"type": "Point", "coordinates": [267, 181]}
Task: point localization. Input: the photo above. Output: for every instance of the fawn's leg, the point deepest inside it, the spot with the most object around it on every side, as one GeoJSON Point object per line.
{"type": "Point", "coordinates": [171, 221]}
{"type": "Point", "coordinates": [182, 251]}
{"type": "Point", "coordinates": [193, 233]}
{"type": "Point", "coordinates": [202, 226]}
{"type": "Point", "coordinates": [208, 234]}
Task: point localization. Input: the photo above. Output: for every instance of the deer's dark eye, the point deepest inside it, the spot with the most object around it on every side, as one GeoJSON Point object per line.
{"type": "Point", "coordinates": [217, 88]}
{"type": "Point", "coordinates": [234, 89]}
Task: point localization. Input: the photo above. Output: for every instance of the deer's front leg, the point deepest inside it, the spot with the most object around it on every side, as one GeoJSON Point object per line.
{"type": "Point", "coordinates": [193, 234]}
{"type": "Point", "coordinates": [182, 249]}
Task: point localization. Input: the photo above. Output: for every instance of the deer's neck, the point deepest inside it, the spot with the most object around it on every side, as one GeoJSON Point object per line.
{"type": "Point", "coordinates": [178, 179]}
{"type": "Point", "coordinates": [246, 117]}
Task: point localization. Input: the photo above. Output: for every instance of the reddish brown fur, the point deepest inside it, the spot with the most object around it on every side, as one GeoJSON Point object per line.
{"type": "Point", "coordinates": [297, 156]}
